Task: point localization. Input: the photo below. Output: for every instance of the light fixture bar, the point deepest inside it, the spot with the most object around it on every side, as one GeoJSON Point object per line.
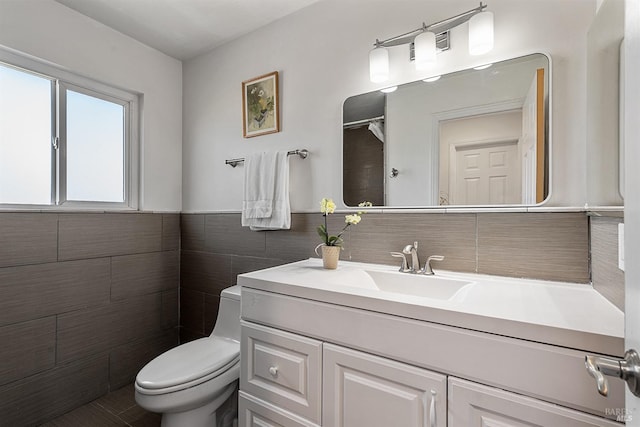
{"type": "Point", "coordinates": [436, 28]}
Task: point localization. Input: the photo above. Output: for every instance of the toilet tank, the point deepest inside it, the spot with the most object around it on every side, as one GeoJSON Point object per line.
{"type": "Point", "coordinates": [228, 321]}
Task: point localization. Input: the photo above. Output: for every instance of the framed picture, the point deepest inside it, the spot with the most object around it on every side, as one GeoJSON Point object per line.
{"type": "Point", "coordinates": [260, 105]}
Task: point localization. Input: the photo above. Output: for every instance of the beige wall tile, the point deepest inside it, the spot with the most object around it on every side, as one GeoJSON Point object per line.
{"type": "Point", "coordinates": [125, 361]}
{"type": "Point", "coordinates": [144, 273]}
{"type": "Point", "coordinates": [43, 396]}
{"type": "Point", "coordinates": [171, 232]}
{"type": "Point", "coordinates": [98, 235]}
{"type": "Point", "coordinates": [225, 235]}
{"type": "Point", "coordinates": [453, 236]}
{"type": "Point", "coordinates": [87, 332]}
{"type": "Point", "coordinates": [192, 232]}
{"type": "Point", "coordinates": [33, 291]}
{"type": "Point", "coordinates": [29, 347]}
{"type": "Point", "coordinates": [606, 277]}
{"type": "Point", "coordinates": [28, 238]}
{"type": "Point", "coordinates": [549, 246]}
{"type": "Point", "coordinates": [205, 272]}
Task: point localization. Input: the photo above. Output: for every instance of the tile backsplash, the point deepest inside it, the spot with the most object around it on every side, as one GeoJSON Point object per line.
{"type": "Point", "coordinates": [215, 249]}
{"type": "Point", "coordinates": [85, 301]}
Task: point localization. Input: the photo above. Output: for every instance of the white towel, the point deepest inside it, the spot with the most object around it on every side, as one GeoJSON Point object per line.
{"type": "Point", "coordinates": [266, 192]}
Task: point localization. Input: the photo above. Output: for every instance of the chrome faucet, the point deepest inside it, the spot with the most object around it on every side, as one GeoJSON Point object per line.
{"type": "Point", "coordinates": [427, 265]}
{"type": "Point", "coordinates": [413, 251]}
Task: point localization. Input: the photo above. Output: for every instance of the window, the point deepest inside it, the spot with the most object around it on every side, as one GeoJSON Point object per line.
{"type": "Point", "coordinates": [65, 140]}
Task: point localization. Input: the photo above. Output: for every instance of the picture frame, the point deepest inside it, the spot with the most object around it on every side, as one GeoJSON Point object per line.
{"type": "Point", "coordinates": [260, 105]}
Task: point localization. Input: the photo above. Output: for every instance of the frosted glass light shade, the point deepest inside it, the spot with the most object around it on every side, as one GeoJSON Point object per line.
{"type": "Point", "coordinates": [481, 33]}
{"type": "Point", "coordinates": [425, 50]}
{"type": "Point", "coordinates": [378, 65]}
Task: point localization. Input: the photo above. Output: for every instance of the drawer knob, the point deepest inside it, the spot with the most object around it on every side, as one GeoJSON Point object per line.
{"type": "Point", "coordinates": [273, 371]}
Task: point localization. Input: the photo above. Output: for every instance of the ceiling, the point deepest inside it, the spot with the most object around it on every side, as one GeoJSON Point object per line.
{"type": "Point", "coordinates": [184, 29]}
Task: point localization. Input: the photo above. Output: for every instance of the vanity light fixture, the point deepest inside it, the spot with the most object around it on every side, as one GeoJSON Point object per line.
{"type": "Point", "coordinates": [389, 89]}
{"type": "Point", "coordinates": [427, 40]}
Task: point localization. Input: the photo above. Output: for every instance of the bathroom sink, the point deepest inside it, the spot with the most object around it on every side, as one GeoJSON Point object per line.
{"type": "Point", "coordinates": [418, 285]}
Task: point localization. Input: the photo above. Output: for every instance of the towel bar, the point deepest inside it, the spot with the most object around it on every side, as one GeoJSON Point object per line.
{"type": "Point", "coordinates": [304, 153]}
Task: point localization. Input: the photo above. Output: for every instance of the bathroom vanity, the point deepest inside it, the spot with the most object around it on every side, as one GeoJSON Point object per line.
{"type": "Point", "coordinates": [366, 345]}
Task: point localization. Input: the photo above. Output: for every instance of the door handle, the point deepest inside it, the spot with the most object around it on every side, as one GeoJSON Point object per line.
{"type": "Point", "coordinates": [627, 369]}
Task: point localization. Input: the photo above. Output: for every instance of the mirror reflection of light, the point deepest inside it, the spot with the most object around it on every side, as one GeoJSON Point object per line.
{"type": "Point", "coordinates": [389, 89]}
{"type": "Point", "coordinates": [432, 79]}
{"type": "Point", "coordinates": [482, 67]}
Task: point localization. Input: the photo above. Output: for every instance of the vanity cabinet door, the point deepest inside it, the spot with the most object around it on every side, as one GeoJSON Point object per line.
{"type": "Point", "coordinates": [475, 405]}
{"type": "Point", "coordinates": [360, 389]}
{"type": "Point", "coordinates": [253, 412]}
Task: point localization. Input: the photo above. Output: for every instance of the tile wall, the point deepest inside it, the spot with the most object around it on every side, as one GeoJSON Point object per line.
{"type": "Point", "coordinates": [85, 301]}
{"type": "Point", "coordinates": [215, 249]}
{"type": "Point", "coordinates": [607, 278]}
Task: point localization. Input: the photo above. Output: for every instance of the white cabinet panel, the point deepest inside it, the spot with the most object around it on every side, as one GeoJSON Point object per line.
{"type": "Point", "coordinates": [365, 390]}
{"type": "Point", "coordinates": [282, 368]}
{"type": "Point", "coordinates": [256, 413]}
{"type": "Point", "coordinates": [475, 405]}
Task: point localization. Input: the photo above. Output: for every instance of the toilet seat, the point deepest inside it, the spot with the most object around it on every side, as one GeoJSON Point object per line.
{"type": "Point", "coordinates": [188, 365]}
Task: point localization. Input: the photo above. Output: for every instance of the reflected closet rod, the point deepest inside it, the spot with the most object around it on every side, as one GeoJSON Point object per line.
{"type": "Point", "coordinates": [304, 153]}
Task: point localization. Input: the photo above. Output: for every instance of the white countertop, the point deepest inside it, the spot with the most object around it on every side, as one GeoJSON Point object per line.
{"type": "Point", "coordinates": [564, 314]}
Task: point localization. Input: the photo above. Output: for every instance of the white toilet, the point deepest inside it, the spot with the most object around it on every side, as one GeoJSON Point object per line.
{"type": "Point", "coordinates": [189, 383]}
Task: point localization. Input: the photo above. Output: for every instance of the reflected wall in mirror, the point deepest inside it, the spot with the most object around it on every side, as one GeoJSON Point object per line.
{"type": "Point", "coordinates": [475, 137]}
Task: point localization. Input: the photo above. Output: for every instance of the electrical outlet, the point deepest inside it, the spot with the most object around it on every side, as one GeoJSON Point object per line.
{"type": "Point", "coordinates": [621, 246]}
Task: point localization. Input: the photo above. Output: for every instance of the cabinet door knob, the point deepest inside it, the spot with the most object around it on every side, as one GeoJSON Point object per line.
{"type": "Point", "coordinates": [273, 371]}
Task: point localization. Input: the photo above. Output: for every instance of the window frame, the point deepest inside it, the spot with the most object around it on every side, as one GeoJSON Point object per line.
{"type": "Point", "coordinates": [61, 81]}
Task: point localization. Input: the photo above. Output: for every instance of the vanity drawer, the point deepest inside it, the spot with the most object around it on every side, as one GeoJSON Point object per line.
{"type": "Point", "coordinates": [253, 412]}
{"type": "Point", "coordinates": [283, 369]}
{"type": "Point", "coordinates": [476, 405]}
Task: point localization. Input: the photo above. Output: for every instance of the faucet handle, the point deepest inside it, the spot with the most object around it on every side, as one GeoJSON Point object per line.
{"type": "Point", "coordinates": [404, 267]}
{"type": "Point", "coordinates": [427, 265]}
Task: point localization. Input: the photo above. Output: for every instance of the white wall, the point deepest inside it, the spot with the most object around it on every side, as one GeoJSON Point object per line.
{"type": "Point", "coordinates": [55, 33]}
{"type": "Point", "coordinates": [321, 53]}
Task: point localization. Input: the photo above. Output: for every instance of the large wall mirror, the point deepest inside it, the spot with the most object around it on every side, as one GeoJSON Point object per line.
{"type": "Point", "coordinates": [475, 137]}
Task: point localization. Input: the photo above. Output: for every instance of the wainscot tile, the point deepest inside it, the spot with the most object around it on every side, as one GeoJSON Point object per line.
{"type": "Point", "coordinates": [192, 232]}
{"type": "Point", "coordinates": [86, 332]}
{"type": "Point", "coordinates": [225, 235]}
{"type": "Point", "coordinates": [42, 397]}
{"type": "Point", "coordinates": [98, 235]}
{"type": "Point", "coordinates": [33, 291]}
{"type": "Point", "coordinates": [170, 232]}
{"type": "Point", "coordinates": [453, 236]}
{"type": "Point", "coordinates": [298, 242]}
{"type": "Point", "coordinates": [28, 238]}
{"type": "Point", "coordinates": [144, 273]}
{"type": "Point", "coordinates": [125, 361]}
{"type": "Point", "coordinates": [244, 264]}
{"type": "Point", "coordinates": [205, 272]}
{"type": "Point", "coordinates": [29, 347]}
{"type": "Point", "coordinates": [192, 310]}
{"type": "Point", "coordinates": [607, 278]}
{"type": "Point", "coordinates": [547, 246]}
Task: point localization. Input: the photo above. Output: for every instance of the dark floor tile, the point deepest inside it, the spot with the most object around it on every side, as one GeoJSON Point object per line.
{"type": "Point", "coordinates": [118, 401]}
{"type": "Point", "coordinates": [87, 415]}
{"type": "Point", "coordinates": [138, 417]}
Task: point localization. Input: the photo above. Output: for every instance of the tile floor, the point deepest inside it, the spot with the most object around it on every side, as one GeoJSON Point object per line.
{"type": "Point", "coordinates": [116, 409]}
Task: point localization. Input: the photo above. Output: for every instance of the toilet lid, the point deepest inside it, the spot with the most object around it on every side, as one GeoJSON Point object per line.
{"type": "Point", "coordinates": [188, 362]}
